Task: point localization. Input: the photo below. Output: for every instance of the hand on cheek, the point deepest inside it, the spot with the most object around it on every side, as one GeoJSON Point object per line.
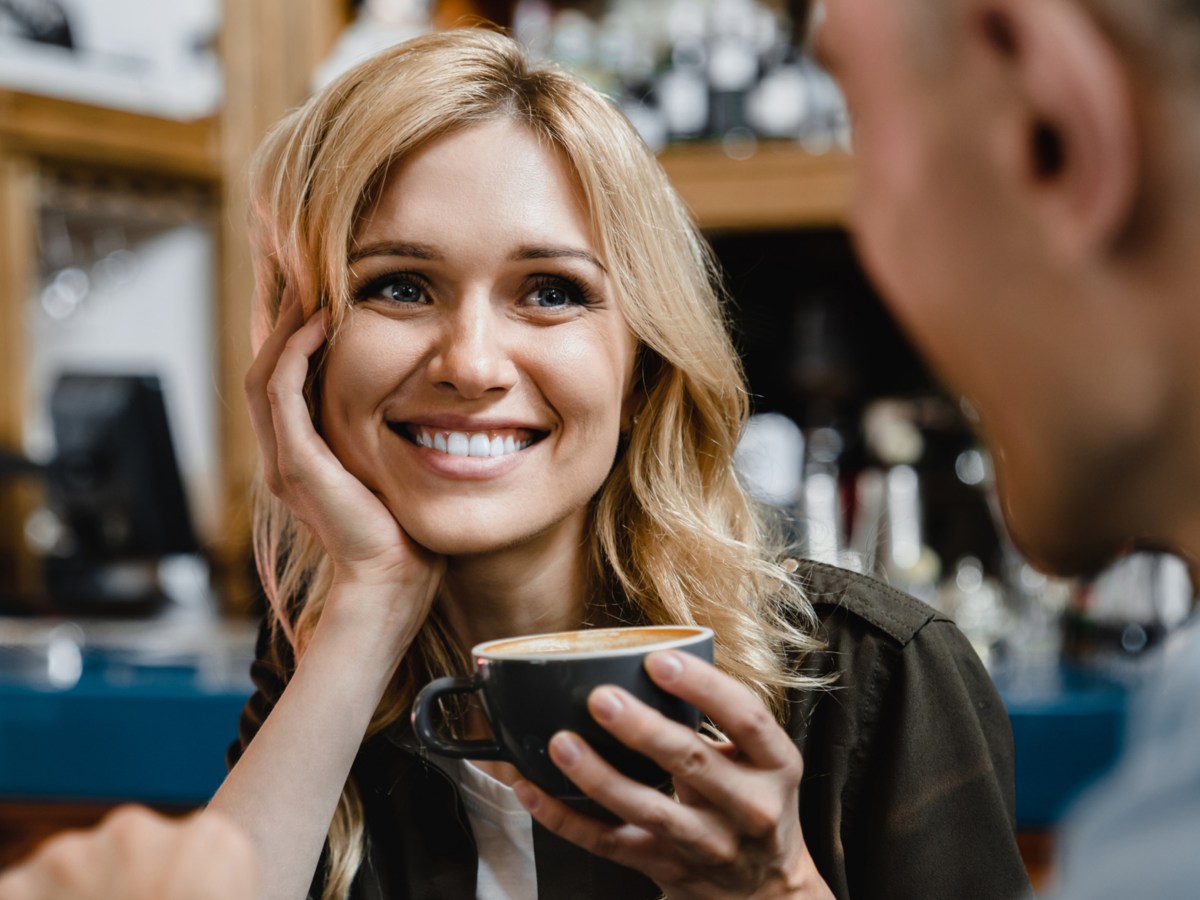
{"type": "Point", "coordinates": [364, 541]}
{"type": "Point", "coordinates": [733, 827]}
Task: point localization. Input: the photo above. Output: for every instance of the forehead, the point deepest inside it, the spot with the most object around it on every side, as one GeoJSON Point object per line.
{"type": "Point", "coordinates": [496, 177]}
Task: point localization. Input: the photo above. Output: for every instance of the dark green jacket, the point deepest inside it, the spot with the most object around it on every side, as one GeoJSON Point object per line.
{"type": "Point", "coordinates": [908, 772]}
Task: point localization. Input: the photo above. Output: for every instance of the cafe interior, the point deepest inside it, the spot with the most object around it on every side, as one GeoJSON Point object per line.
{"type": "Point", "coordinates": [129, 601]}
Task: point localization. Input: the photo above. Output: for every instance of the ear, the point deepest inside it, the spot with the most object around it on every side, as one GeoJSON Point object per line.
{"type": "Point", "coordinates": [1077, 155]}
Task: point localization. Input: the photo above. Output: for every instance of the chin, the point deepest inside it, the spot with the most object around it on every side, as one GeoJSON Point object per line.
{"type": "Point", "coordinates": [1069, 559]}
{"type": "Point", "coordinates": [457, 542]}
{"type": "Point", "coordinates": [1065, 542]}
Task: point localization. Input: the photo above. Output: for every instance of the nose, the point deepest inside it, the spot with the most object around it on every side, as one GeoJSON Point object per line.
{"type": "Point", "coordinates": [472, 356]}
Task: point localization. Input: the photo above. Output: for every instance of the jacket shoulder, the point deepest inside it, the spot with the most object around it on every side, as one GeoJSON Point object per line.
{"type": "Point", "coordinates": [840, 593]}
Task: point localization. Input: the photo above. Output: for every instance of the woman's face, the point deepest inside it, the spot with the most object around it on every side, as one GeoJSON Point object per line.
{"type": "Point", "coordinates": [482, 377]}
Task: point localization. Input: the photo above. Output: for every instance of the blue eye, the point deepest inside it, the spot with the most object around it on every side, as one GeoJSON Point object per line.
{"type": "Point", "coordinates": [557, 292]}
{"type": "Point", "coordinates": [403, 292]}
{"type": "Point", "coordinates": [551, 296]}
{"type": "Point", "coordinates": [398, 288]}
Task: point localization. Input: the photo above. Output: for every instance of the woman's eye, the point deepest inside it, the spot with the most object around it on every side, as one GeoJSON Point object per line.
{"type": "Point", "coordinates": [402, 292]}
{"type": "Point", "coordinates": [551, 296]}
{"type": "Point", "coordinates": [396, 288]}
{"type": "Point", "coordinates": [557, 293]}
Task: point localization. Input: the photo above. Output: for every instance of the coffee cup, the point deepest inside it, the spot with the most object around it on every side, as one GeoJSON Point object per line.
{"type": "Point", "coordinates": [535, 686]}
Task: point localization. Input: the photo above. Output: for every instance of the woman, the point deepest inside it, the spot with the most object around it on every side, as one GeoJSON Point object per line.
{"type": "Point", "coordinates": [495, 395]}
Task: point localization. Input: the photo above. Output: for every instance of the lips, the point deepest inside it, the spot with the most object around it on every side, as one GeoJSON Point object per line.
{"type": "Point", "coordinates": [489, 444]}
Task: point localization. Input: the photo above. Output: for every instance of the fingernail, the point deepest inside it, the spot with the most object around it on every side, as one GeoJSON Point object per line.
{"type": "Point", "coordinates": [665, 665]}
{"type": "Point", "coordinates": [564, 748]}
{"type": "Point", "coordinates": [527, 796]}
{"type": "Point", "coordinates": [606, 705]}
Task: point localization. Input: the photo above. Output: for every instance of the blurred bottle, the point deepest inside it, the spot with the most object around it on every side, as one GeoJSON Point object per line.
{"type": "Point", "coordinates": [820, 512]}
{"type": "Point", "coordinates": [888, 535]}
{"type": "Point", "coordinates": [770, 459]}
{"type": "Point", "coordinates": [687, 69]}
{"type": "Point", "coordinates": [1128, 609]}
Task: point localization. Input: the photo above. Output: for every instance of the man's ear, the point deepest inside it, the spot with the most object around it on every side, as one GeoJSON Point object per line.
{"type": "Point", "coordinates": [1077, 153]}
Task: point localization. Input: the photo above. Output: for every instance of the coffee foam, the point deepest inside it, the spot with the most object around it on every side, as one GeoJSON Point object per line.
{"type": "Point", "coordinates": [595, 640]}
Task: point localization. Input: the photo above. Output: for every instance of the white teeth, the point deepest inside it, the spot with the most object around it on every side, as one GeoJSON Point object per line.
{"type": "Point", "coordinates": [480, 445]}
{"type": "Point", "coordinates": [477, 444]}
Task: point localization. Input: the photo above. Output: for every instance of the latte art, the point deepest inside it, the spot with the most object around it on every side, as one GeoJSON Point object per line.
{"type": "Point", "coordinates": [592, 640]}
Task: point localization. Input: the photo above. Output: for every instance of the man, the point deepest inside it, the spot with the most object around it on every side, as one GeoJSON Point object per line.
{"type": "Point", "coordinates": [1029, 205]}
{"type": "Point", "coordinates": [138, 855]}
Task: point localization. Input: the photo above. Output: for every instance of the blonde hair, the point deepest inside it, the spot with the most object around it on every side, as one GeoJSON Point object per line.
{"type": "Point", "coordinates": [675, 539]}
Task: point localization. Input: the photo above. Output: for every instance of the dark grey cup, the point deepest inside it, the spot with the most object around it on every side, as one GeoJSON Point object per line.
{"type": "Point", "coordinates": [530, 694]}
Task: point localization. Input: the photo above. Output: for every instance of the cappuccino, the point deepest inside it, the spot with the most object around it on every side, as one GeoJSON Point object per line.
{"type": "Point", "coordinates": [592, 640]}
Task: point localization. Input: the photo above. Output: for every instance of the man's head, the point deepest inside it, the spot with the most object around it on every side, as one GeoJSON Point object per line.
{"type": "Point", "coordinates": [1029, 201]}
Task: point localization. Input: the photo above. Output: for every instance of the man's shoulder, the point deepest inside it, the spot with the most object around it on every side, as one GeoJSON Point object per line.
{"type": "Point", "coordinates": [852, 599]}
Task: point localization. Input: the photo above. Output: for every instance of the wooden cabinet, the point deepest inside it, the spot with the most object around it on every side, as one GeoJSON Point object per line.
{"type": "Point", "coordinates": [778, 187]}
{"type": "Point", "coordinates": [269, 48]}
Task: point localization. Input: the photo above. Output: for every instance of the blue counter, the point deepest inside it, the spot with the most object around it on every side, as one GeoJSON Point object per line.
{"type": "Point", "coordinates": [156, 731]}
{"type": "Point", "coordinates": [1068, 729]}
{"type": "Point", "coordinates": [119, 711]}
{"type": "Point", "coordinates": [157, 740]}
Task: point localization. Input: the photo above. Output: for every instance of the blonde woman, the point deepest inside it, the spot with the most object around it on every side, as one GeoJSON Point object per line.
{"type": "Point", "coordinates": [495, 395]}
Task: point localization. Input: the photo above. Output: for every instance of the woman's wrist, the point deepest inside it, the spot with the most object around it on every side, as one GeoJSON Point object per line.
{"type": "Point", "coordinates": [806, 882]}
{"type": "Point", "coordinates": [370, 625]}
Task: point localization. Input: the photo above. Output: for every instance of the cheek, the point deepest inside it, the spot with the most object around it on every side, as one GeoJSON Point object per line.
{"type": "Point", "coordinates": [588, 376]}
{"type": "Point", "coordinates": [360, 366]}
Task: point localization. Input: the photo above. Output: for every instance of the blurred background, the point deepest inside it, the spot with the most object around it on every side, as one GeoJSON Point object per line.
{"type": "Point", "coordinates": [128, 600]}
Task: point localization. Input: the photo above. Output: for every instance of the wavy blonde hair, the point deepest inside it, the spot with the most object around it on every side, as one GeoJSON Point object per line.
{"type": "Point", "coordinates": [674, 537]}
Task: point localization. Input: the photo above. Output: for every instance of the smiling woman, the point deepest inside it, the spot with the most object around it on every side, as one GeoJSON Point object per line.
{"type": "Point", "coordinates": [484, 365]}
{"type": "Point", "coordinates": [495, 396]}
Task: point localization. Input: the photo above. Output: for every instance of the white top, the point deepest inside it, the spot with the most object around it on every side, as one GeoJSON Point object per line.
{"type": "Point", "coordinates": [503, 832]}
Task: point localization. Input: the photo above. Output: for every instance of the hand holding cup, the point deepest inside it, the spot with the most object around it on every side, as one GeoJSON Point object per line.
{"type": "Point", "coordinates": [534, 687]}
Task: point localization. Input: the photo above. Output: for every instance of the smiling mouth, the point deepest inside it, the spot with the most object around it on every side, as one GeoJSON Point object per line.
{"type": "Point", "coordinates": [480, 444]}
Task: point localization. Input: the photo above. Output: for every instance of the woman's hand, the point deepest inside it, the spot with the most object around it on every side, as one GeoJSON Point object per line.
{"type": "Point", "coordinates": [365, 542]}
{"type": "Point", "coordinates": [735, 830]}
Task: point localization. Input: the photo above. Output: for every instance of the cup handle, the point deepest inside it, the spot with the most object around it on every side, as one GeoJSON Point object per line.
{"type": "Point", "coordinates": [427, 733]}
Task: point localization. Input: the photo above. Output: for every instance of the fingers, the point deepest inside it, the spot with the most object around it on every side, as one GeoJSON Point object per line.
{"type": "Point", "coordinates": [84, 865]}
{"type": "Point", "coordinates": [275, 391]}
{"type": "Point", "coordinates": [291, 317]}
{"type": "Point", "coordinates": [625, 844]}
{"type": "Point", "coordinates": [198, 841]}
{"type": "Point", "coordinates": [732, 707]}
{"type": "Point", "coordinates": [700, 833]}
{"type": "Point", "coordinates": [296, 437]}
{"type": "Point", "coordinates": [58, 869]}
{"type": "Point", "coordinates": [136, 854]}
{"type": "Point", "coordinates": [752, 781]}
{"type": "Point", "coordinates": [733, 828]}
{"type": "Point", "coordinates": [750, 801]}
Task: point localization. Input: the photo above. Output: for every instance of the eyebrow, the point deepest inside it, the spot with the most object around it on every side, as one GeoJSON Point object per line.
{"type": "Point", "coordinates": [394, 248]}
{"type": "Point", "coordinates": [558, 253]}
{"type": "Point", "coordinates": [413, 250]}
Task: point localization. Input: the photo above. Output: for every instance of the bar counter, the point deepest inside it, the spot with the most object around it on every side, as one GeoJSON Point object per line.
{"type": "Point", "coordinates": [97, 713]}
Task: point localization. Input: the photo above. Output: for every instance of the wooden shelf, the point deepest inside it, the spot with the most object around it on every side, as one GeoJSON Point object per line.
{"type": "Point", "coordinates": [779, 186]}
{"type": "Point", "coordinates": [51, 128]}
